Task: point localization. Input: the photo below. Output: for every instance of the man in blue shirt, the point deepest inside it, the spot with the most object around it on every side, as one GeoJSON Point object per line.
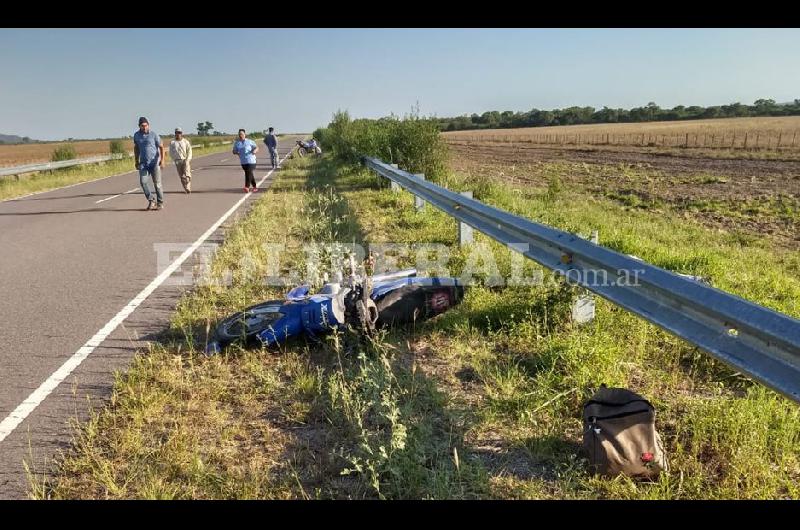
{"type": "Point", "coordinates": [271, 141]}
{"type": "Point", "coordinates": [246, 149]}
{"type": "Point", "coordinates": [148, 154]}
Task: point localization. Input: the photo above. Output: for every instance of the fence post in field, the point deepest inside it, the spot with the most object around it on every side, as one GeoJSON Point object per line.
{"type": "Point", "coordinates": [780, 137]}
{"type": "Point", "coordinates": [606, 138]}
{"type": "Point", "coordinates": [745, 140]}
{"type": "Point", "coordinates": [793, 138]}
{"type": "Point", "coordinates": [464, 230]}
{"type": "Point", "coordinates": [583, 306]}
{"type": "Point", "coordinates": [686, 144]}
{"type": "Point", "coordinates": [758, 134]}
{"type": "Point", "coordinates": [419, 204]}
{"type": "Point", "coordinates": [395, 185]}
{"type": "Point", "coordinates": [713, 136]}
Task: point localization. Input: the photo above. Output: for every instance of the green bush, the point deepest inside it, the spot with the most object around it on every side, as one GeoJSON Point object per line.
{"type": "Point", "coordinates": [321, 135]}
{"type": "Point", "coordinates": [413, 142]}
{"type": "Point", "coordinates": [116, 147]}
{"type": "Point", "coordinates": [65, 152]}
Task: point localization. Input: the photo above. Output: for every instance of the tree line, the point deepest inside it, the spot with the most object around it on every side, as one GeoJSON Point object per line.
{"type": "Point", "coordinates": [586, 115]}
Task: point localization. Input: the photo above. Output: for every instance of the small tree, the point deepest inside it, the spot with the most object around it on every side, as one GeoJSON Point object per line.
{"type": "Point", "coordinates": [65, 152]}
{"type": "Point", "coordinates": [203, 128]}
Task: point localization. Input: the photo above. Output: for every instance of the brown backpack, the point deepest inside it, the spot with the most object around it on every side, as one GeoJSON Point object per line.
{"type": "Point", "coordinates": [619, 435]}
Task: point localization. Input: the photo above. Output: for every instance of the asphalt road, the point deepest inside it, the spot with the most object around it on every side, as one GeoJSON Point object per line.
{"type": "Point", "coordinates": [73, 260]}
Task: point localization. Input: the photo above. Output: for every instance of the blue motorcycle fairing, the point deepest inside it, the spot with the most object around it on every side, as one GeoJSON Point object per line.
{"type": "Point", "coordinates": [313, 314]}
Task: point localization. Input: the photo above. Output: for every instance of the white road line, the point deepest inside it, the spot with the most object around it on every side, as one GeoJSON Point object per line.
{"type": "Point", "coordinates": [107, 199]}
{"type": "Point", "coordinates": [22, 411]}
{"type": "Point", "coordinates": [115, 196]}
{"type": "Point", "coordinates": [224, 160]}
{"type": "Point", "coordinates": [65, 187]}
{"type": "Point", "coordinates": [79, 184]}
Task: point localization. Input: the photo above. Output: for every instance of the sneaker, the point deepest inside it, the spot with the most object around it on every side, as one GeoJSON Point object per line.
{"type": "Point", "coordinates": [254, 189]}
{"type": "Point", "coordinates": [246, 190]}
{"type": "Point", "coordinates": [160, 206]}
{"type": "Point", "coordinates": [150, 205]}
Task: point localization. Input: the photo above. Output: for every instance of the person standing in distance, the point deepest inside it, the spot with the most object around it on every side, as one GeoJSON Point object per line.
{"type": "Point", "coordinates": [148, 155]}
{"type": "Point", "coordinates": [180, 150]}
{"type": "Point", "coordinates": [271, 140]}
{"type": "Point", "coordinates": [246, 149]}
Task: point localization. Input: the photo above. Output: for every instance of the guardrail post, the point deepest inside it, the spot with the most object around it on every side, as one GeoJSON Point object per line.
{"type": "Point", "coordinates": [395, 185]}
{"type": "Point", "coordinates": [464, 230]}
{"type": "Point", "coordinates": [583, 307]}
{"type": "Point", "coordinates": [419, 204]}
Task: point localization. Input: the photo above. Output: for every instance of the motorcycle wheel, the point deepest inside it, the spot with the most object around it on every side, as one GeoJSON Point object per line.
{"type": "Point", "coordinates": [301, 152]}
{"type": "Point", "coordinates": [245, 325]}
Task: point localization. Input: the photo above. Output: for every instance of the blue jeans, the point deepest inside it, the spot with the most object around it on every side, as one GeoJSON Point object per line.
{"type": "Point", "coordinates": [154, 172]}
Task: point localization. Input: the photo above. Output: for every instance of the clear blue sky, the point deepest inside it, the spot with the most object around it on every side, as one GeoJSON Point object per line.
{"type": "Point", "coordinates": [87, 83]}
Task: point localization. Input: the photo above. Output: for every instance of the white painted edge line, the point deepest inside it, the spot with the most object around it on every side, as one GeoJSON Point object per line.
{"type": "Point", "coordinates": [22, 411]}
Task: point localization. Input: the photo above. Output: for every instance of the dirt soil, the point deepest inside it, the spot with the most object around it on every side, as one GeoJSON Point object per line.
{"type": "Point", "coordinates": [760, 197]}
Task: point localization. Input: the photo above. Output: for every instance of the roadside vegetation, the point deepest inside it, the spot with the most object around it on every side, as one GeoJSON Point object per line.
{"type": "Point", "coordinates": [483, 402]}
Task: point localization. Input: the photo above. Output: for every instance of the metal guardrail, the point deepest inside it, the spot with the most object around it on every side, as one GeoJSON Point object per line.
{"type": "Point", "coordinates": [753, 339]}
{"type": "Point", "coordinates": [46, 166]}
{"type": "Point", "coordinates": [30, 168]}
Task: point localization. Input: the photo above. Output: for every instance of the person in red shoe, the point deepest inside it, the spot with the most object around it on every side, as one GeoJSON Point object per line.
{"type": "Point", "coordinates": [246, 149]}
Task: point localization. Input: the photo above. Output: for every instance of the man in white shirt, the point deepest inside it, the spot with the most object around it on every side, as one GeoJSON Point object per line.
{"type": "Point", "coordinates": [180, 150]}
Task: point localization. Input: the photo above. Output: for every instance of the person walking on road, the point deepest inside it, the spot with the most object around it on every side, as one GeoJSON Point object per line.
{"type": "Point", "coordinates": [271, 140]}
{"type": "Point", "coordinates": [148, 155]}
{"type": "Point", "coordinates": [246, 149]}
{"type": "Point", "coordinates": [180, 150]}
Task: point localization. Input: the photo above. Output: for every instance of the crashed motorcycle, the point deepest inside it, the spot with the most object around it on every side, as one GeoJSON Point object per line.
{"type": "Point", "coordinates": [363, 304]}
{"type": "Point", "coordinates": [307, 148]}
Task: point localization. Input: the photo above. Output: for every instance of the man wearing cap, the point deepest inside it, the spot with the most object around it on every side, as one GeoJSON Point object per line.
{"type": "Point", "coordinates": [148, 154]}
{"type": "Point", "coordinates": [180, 150]}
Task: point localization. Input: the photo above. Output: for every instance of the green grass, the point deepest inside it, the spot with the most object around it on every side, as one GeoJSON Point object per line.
{"type": "Point", "coordinates": [520, 354]}
{"type": "Point", "coordinates": [11, 187]}
{"type": "Point", "coordinates": [482, 402]}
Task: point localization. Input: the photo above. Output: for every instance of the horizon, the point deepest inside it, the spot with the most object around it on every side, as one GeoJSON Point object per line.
{"type": "Point", "coordinates": [95, 83]}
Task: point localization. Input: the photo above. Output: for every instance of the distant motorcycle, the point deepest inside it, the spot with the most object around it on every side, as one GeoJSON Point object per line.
{"type": "Point", "coordinates": [364, 303]}
{"type": "Point", "coordinates": [306, 148]}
